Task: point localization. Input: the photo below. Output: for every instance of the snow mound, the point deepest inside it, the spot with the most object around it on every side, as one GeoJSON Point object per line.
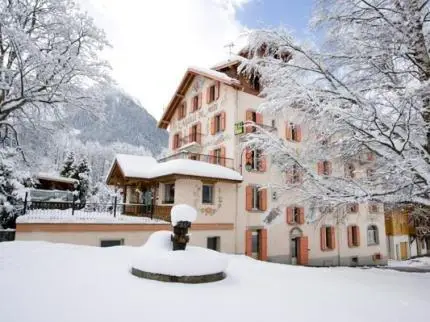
{"type": "Point", "coordinates": [182, 213]}
{"type": "Point", "coordinates": [157, 256]}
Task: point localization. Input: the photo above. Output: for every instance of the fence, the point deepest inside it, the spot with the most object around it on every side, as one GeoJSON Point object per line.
{"type": "Point", "coordinates": [7, 235]}
{"type": "Point", "coordinates": [113, 208]}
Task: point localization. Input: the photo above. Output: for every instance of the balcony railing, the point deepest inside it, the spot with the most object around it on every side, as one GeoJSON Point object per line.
{"type": "Point", "coordinates": [251, 126]}
{"type": "Point", "coordinates": [194, 137]}
{"type": "Point", "coordinates": [226, 162]}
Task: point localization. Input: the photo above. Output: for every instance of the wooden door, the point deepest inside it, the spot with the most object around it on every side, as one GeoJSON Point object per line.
{"type": "Point", "coordinates": [403, 250]}
{"type": "Point", "coordinates": [303, 251]}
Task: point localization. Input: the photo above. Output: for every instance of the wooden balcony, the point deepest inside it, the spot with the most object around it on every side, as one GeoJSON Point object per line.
{"type": "Point", "coordinates": [225, 162]}
{"type": "Point", "coordinates": [154, 212]}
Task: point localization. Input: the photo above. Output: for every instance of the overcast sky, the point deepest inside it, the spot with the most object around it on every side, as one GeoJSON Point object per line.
{"type": "Point", "coordinates": [155, 41]}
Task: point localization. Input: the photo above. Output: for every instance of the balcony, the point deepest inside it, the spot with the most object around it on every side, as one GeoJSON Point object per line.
{"type": "Point", "coordinates": [250, 127]}
{"type": "Point", "coordinates": [225, 162]}
{"type": "Point", "coordinates": [191, 143]}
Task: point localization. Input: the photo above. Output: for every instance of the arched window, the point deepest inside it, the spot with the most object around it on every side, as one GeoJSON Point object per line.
{"type": "Point", "coordinates": [372, 235]}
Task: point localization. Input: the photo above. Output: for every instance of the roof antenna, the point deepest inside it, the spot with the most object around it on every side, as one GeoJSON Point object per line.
{"type": "Point", "coordinates": [230, 48]}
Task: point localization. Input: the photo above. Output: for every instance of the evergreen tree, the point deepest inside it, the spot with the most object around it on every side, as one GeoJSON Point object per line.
{"type": "Point", "coordinates": [68, 169]}
{"type": "Point", "coordinates": [82, 174]}
{"type": "Point", "coordinates": [10, 189]}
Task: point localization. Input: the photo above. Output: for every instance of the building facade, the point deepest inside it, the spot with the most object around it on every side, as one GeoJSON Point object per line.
{"type": "Point", "coordinates": [207, 119]}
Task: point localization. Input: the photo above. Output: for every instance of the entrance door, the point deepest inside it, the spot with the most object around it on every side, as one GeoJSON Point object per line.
{"type": "Point", "coordinates": [303, 251]}
{"type": "Point", "coordinates": [404, 250]}
{"type": "Point", "coordinates": [294, 250]}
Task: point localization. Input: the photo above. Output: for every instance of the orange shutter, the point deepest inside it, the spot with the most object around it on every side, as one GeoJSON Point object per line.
{"type": "Point", "coordinates": [223, 120]}
{"type": "Point", "coordinates": [248, 198]}
{"type": "Point", "coordinates": [287, 131]}
{"type": "Point", "coordinates": [248, 129]}
{"type": "Point", "coordinates": [190, 135]}
{"type": "Point", "coordinates": [299, 133]}
{"type": "Point", "coordinates": [320, 166]}
{"type": "Point", "coordinates": [212, 157]}
{"type": "Point", "coordinates": [248, 243]}
{"type": "Point", "coordinates": [303, 253]}
{"type": "Point", "coordinates": [332, 238]}
{"type": "Point", "coordinates": [259, 118]}
{"type": "Point", "coordinates": [301, 216]}
{"type": "Point", "coordinates": [370, 156]}
{"type": "Point", "coordinates": [263, 199]}
{"type": "Point", "coordinates": [323, 238]}
{"type": "Point", "coordinates": [263, 244]}
{"type": "Point", "coordinates": [199, 132]}
{"type": "Point", "coordinates": [217, 90]}
{"type": "Point", "coordinates": [223, 156]}
{"type": "Point", "coordinates": [248, 156]}
{"type": "Point", "coordinates": [262, 163]}
{"type": "Point", "coordinates": [289, 211]}
{"type": "Point", "coordinates": [350, 243]}
{"type": "Point", "coordinates": [212, 120]}
{"type": "Point", "coordinates": [357, 235]}
{"type": "Point", "coordinates": [208, 95]}
{"type": "Point", "coordinates": [200, 99]}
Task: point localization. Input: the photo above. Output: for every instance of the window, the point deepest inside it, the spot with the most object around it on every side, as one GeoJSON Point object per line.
{"type": "Point", "coordinates": [324, 168]}
{"type": "Point", "coordinates": [295, 215]}
{"type": "Point", "coordinates": [195, 103]}
{"type": "Point", "coordinates": [217, 156]}
{"type": "Point", "coordinates": [293, 132]}
{"type": "Point", "coordinates": [352, 208]}
{"type": "Point", "coordinates": [373, 208]}
{"type": "Point", "coordinates": [273, 123]}
{"type": "Point", "coordinates": [370, 173]}
{"type": "Point", "coordinates": [213, 243]}
{"type": "Point", "coordinates": [176, 141]}
{"type": "Point", "coordinates": [212, 93]}
{"type": "Point", "coordinates": [295, 175]}
{"type": "Point", "coordinates": [207, 193]}
{"type": "Point", "coordinates": [218, 127]}
{"type": "Point", "coordinates": [349, 170]}
{"type": "Point", "coordinates": [111, 242]}
{"type": "Point", "coordinates": [255, 197]}
{"type": "Point", "coordinates": [372, 235]}
{"type": "Point", "coordinates": [182, 111]}
{"type": "Point", "coordinates": [194, 133]}
{"type": "Point", "coordinates": [253, 161]}
{"type": "Point", "coordinates": [353, 236]}
{"type": "Point", "coordinates": [169, 193]}
{"type": "Point", "coordinates": [194, 157]}
{"type": "Point", "coordinates": [328, 238]}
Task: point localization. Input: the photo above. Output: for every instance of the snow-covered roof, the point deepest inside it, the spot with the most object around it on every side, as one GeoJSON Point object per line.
{"type": "Point", "coordinates": [38, 216]}
{"type": "Point", "coordinates": [55, 177]}
{"type": "Point", "coordinates": [228, 62]}
{"type": "Point", "coordinates": [184, 85]}
{"type": "Point", "coordinates": [144, 167]}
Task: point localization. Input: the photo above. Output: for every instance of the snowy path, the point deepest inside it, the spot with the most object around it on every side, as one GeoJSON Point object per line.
{"type": "Point", "coordinates": [44, 282]}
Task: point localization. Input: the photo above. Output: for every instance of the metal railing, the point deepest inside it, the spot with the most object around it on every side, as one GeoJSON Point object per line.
{"type": "Point", "coordinates": [226, 162]}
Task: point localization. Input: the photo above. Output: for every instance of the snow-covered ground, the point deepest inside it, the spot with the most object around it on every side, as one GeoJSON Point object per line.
{"type": "Point", "coordinates": [416, 262]}
{"type": "Point", "coordinates": [43, 282]}
{"type": "Point", "coordinates": [82, 217]}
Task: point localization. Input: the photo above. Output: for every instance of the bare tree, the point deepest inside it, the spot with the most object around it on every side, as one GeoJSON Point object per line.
{"type": "Point", "coordinates": [363, 94]}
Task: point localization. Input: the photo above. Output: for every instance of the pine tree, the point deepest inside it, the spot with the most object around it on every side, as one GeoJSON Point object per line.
{"type": "Point", "coordinates": [68, 169]}
{"type": "Point", "coordinates": [10, 188]}
{"type": "Point", "coordinates": [82, 174]}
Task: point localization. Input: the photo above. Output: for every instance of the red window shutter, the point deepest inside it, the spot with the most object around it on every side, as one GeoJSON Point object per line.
{"type": "Point", "coordinates": [248, 243]}
{"type": "Point", "coordinates": [212, 120]}
{"type": "Point", "coordinates": [208, 95]}
{"type": "Point", "coordinates": [289, 212]}
{"type": "Point", "coordinates": [190, 135]}
{"type": "Point", "coordinates": [357, 235]}
{"type": "Point", "coordinates": [262, 164]}
{"type": "Point", "coordinates": [223, 156]}
{"type": "Point", "coordinates": [263, 244]}
{"type": "Point", "coordinates": [263, 199]}
{"type": "Point", "coordinates": [288, 133]}
{"type": "Point", "coordinates": [323, 238]}
{"type": "Point", "coordinates": [259, 118]}
{"type": "Point", "coordinates": [370, 156]}
{"type": "Point", "coordinates": [299, 133]}
{"type": "Point", "coordinates": [217, 90]}
{"type": "Point", "coordinates": [199, 132]}
{"type": "Point", "coordinates": [249, 198]}
{"type": "Point", "coordinates": [223, 121]}
{"type": "Point", "coordinates": [332, 238]}
{"type": "Point", "coordinates": [350, 243]}
{"type": "Point", "coordinates": [301, 216]}
{"type": "Point", "coordinates": [212, 157]}
{"type": "Point", "coordinates": [303, 253]}
{"type": "Point", "coordinates": [200, 100]}
{"type": "Point", "coordinates": [248, 156]}
{"type": "Point", "coordinates": [320, 166]}
{"type": "Point", "coordinates": [248, 129]}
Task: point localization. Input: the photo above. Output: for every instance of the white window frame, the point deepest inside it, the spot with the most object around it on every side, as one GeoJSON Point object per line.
{"type": "Point", "coordinates": [372, 235]}
{"type": "Point", "coordinates": [211, 194]}
{"type": "Point", "coordinates": [165, 201]}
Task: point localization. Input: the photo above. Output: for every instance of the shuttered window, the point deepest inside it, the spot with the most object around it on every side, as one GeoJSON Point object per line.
{"type": "Point", "coordinates": [256, 198]}
{"type": "Point", "coordinates": [328, 238]}
{"type": "Point", "coordinates": [293, 132]}
{"type": "Point", "coordinates": [353, 236]}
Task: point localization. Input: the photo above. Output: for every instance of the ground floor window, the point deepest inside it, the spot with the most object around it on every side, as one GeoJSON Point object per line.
{"type": "Point", "coordinates": [255, 242]}
{"type": "Point", "coordinates": [213, 243]}
{"type": "Point", "coordinates": [111, 242]}
{"type": "Point", "coordinates": [372, 235]}
{"type": "Point", "coordinates": [169, 193]}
